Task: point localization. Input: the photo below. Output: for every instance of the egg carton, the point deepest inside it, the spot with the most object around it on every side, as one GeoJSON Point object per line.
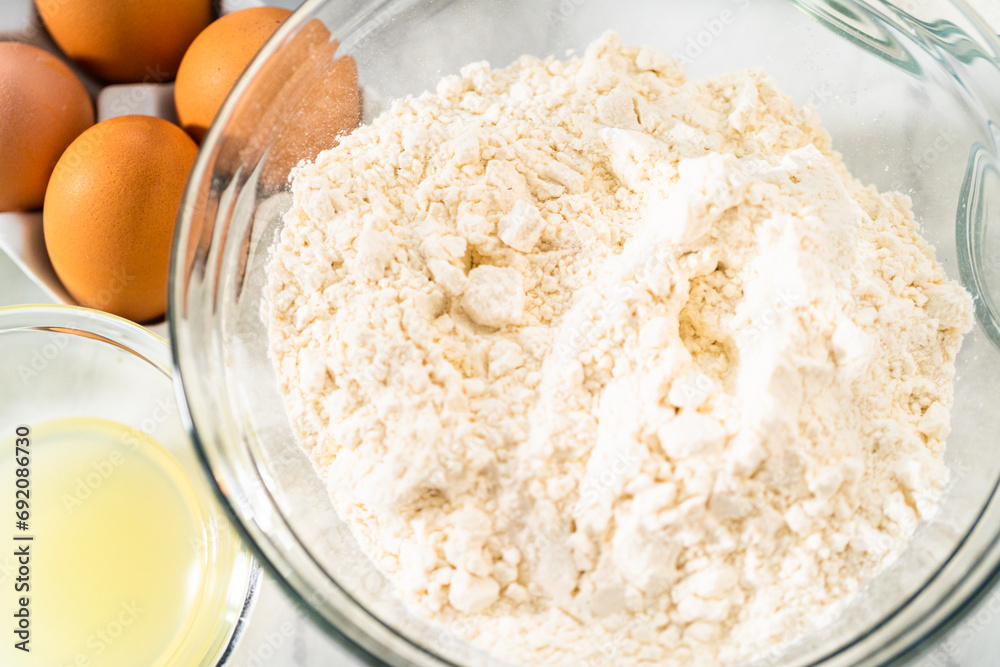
{"type": "Point", "coordinates": [21, 233]}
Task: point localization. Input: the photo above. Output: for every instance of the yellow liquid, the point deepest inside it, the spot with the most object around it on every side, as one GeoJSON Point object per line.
{"type": "Point", "coordinates": [116, 569]}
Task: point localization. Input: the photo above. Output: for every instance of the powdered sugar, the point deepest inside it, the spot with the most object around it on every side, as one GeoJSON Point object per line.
{"type": "Point", "coordinates": [588, 352]}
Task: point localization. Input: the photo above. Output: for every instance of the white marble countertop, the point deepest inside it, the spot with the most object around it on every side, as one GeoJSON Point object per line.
{"type": "Point", "coordinates": [279, 635]}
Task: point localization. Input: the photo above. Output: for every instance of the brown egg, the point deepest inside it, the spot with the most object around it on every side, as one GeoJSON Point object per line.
{"type": "Point", "coordinates": [109, 213]}
{"type": "Point", "coordinates": [126, 41]}
{"type": "Point", "coordinates": [43, 107]}
{"type": "Point", "coordinates": [215, 61]}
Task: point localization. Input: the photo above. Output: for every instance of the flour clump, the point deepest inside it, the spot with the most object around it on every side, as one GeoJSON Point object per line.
{"type": "Point", "coordinates": [591, 354]}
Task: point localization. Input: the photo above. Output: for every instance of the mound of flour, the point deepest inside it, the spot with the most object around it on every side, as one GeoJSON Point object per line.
{"type": "Point", "coordinates": [604, 364]}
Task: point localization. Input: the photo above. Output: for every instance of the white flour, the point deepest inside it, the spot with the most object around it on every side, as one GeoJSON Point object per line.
{"type": "Point", "coordinates": [605, 364]}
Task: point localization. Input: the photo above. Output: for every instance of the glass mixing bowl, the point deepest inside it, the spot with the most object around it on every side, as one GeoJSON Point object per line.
{"type": "Point", "coordinates": [905, 89]}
